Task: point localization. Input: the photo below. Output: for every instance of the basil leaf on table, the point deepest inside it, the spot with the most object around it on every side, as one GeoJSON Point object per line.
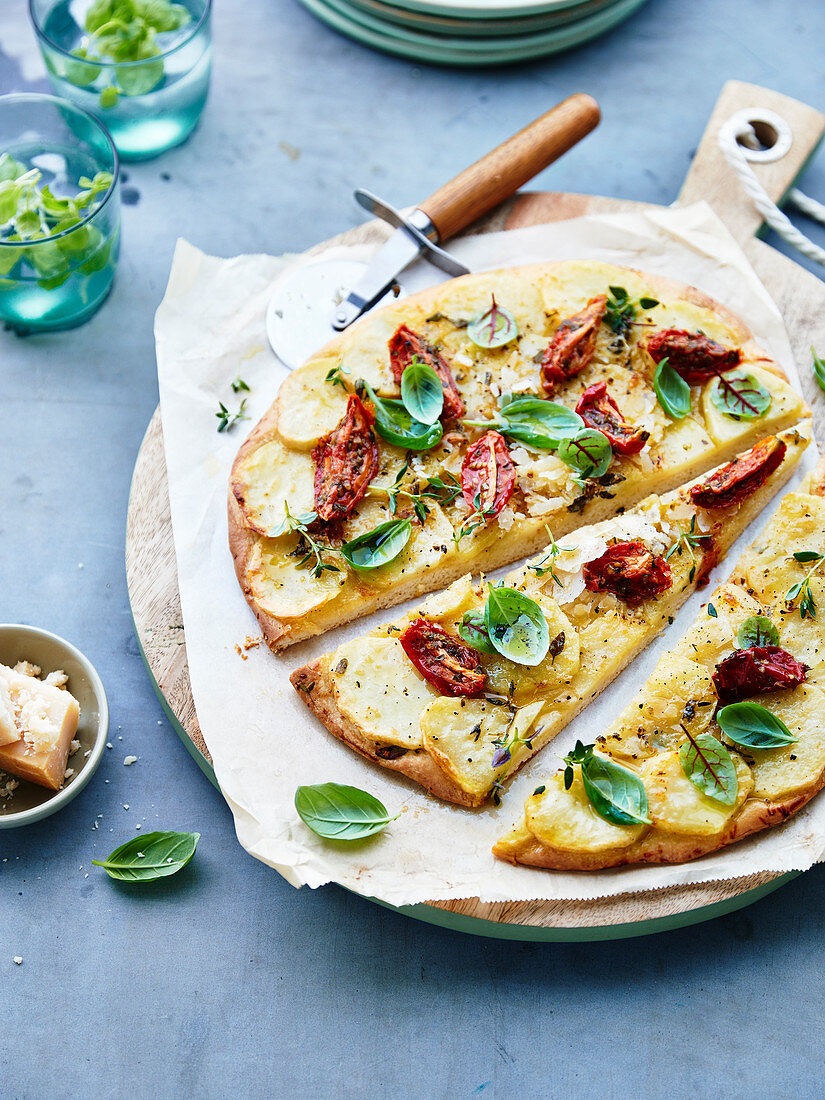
{"type": "Point", "coordinates": [394, 423]}
{"type": "Point", "coordinates": [672, 391]}
{"type": "Point", "coordinates": [615, 793]}
{"type": "Point", "coordinates": [516, 626]}
{"type": "Point", "coordinates": [338, 812]}
{"type": "Point", "coordinates": [421, 392]}
{"type": "Point", "coordinates": [757, 630]}
{"type": "Point", "coordinates": [710, 768]}
{"type": "Point", "coordinates": [589, 453]}
{"type": "Point", "coordinates": [739, 395]}
{"type": "Point", "coordinates": [378, 547]}
{"type": "Point", "coordinates": [473, 630]}
{"type": "Point", "coordinates": [495, 328]}
{"type": "Point", "coordinates": [752, 726]}
{"type": "Point", "coordinates": [150, 857]}
{"type": "Point", "coordinates": [819, 369]}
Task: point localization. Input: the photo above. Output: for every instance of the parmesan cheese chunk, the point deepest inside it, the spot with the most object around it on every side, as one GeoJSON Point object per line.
{"type": "Point", "coordinates": [37, 724]}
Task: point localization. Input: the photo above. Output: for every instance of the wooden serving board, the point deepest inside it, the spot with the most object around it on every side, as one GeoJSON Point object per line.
{"type": "Point", "coordinates": [150, 554]}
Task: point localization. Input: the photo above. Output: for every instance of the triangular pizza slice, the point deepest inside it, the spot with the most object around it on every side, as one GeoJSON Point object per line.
{"type": "Point", "coordinates": [725, 739]}
{"type": "Point", "coordinates": [460, 692]}
{"type": "Point", "coordinates": [444, 433]}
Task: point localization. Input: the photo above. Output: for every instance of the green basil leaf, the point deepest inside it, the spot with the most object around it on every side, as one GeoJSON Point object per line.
{"type": "Point", "coordinates": [150, 857]}
{"type": "Point", "coordinates": [739, 395]}
{"type": "Point", "coordinates": [394, 423]}
{"type": "Point", "coordinates": [672, 391]}
{"type": "Point", "coordinates": [536, 422]}
{"type": "Point", "coordinates": [615, 792]}
{"type": "Point", "coordinates": [494, 328]}
{"type": "Point", "coordinates": [378, 547]}
{"type": "Point", "coordinates": [473, 630]}
{"type": "Point", "coordinates": [619, 293]}
{"type": "Point", "coordinates": [337, 812]}
{"type": "Point", "coordinates": [422, 393]}
{"type": "Point", "coordinates": [589, 453]}
{"type": "Point", "coordinates": [648, 303]}
{"type": "Point", "coordinates": [516, 626]}
{"type": "Point", "coordinates": [807, 555]}
{"type": "Point", "coordinates": [752, 726]}
{"type": "Point", "coordinates": [710, 768]}
{"type": "Point", "coordinates": [757, 630]}
{"type": "Point", "coordinates": [819, 365]}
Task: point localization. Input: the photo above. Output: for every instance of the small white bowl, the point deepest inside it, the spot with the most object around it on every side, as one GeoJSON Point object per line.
{"type": "Point", "coordinates": [28, 802]}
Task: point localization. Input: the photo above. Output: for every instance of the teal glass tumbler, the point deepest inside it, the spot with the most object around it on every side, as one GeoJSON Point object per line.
{"type": "Point", "coordinates": [148, 105]}
{"type": "Point", "coordinates": [51, 277]}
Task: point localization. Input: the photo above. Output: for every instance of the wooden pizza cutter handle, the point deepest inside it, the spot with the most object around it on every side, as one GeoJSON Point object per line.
{"type": "Point", "coordinates": [712, 178]}
{"type": "Point", "coordinates": [500, 173]}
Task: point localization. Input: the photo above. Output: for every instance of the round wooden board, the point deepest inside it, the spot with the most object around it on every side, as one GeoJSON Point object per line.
{"type": "Point", "coordinates": [152, 572]}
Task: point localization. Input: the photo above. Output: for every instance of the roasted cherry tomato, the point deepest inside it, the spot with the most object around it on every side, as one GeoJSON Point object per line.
{"type": "Point", "coordinates": [755, 671]}
{"type": "Point", "coordinates": [598, 410]}
{"type": "Point", "coordinates": [694, 357]}
{"type": "Point", "coordinates": [346, 460]}
{"type": "Point", "coordinates": [443, 659]}
{"type": "Point", "coordinates": [573, 344]}
{"type": "Point", "coordinates": [488, 475]}
{"type": "Point", "coordinates": [407, 345]}
{"type": "Point", "coordinates": [733, 483]}
{"type": "Point", "coordinates": [630, 571]}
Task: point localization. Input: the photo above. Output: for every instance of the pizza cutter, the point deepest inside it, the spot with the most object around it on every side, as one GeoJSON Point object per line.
{"type": "Point", "coordinates": [315, 299]}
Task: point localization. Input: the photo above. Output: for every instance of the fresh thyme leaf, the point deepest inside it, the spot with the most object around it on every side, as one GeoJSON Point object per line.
{"type": "Point", "coordinates": [807, 605]}
{"type": "Point", "coordinates": [311, 550]}
{"type": "Point", "coordinates": [335, 377]}
{"type": "Point", "coordinates": [150, 857]}
{"type": "Point", "coordinates": [752, 726]}
{"type": "Point", "coordinates": [739, 395]}
{"type": "Point", "coordinates": [227, 419]}
{"type": "Point", "coordinates": [688, 540]}
{"type": "Point", "coordinates": [807, 555]}
{"type": "Point", "coordinates": [709, 766]}
{"type": "Point", "coordinates": [819, 370]}
{"type": "Point", "coordinates": [757, 630]}
{"type": "Point", "coordinates": [712, 611]}
{"type": "Point", "coordinates": [621, 309]}
{"type": "Point", "coordinates": [239, 385]}
{"type": "Point", "coordinates": [672, 391]}
{"type": "Point", "coordinates": [338, 812]}
{"type": "Point", "coordinates": [547, 563]}
{"type": "Point", "coordinates": [505, 747]}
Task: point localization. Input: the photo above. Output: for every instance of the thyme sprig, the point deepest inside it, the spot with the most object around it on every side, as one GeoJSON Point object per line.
{"type": "Point", "coordinates": [807, 605]}
{"type": "Point", "coordinates": [439, 490]}
{"type": "Point", "coordinates": [819, 369]}
{"type": "Point", "coordinates": [309, 549]}
{"type": "Point", "coordinates": [688, 540]}
{"type": "Point", "coordinates": [541, 567]}
{"type": "Point", "coordinates": [227, 419]}
{"type": "Point", "coordinates": [621, 309]}
{"type": "Point", "coordinates": [335, 377]}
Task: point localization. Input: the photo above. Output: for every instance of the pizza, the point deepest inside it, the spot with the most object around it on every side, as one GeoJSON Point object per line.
{"type": "Point", "coordinates": [446, 432]}
{"type": "Point", "coordinates": [725, 739]}
{"type": "Point", "coordinates": [461, 691]}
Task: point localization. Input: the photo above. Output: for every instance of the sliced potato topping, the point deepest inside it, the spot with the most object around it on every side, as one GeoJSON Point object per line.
{"type": "Point", "coordinates": [785, 403]}
{"type": "Point", "coordinates": [283, 591]}
{"type": "Point", "coordinates": [308, 406]}
{"type": "Point", "coordinates": [675, 805]}
{"type": "Point", "coordinates": [792, 769]}
{"type": "Point", "coordinates": [270, 477]}
{"type": "Point", "coordinates": [379, 690]}
{"type": "Point", "coordinates": [567, 821]}
{"type": "Point", "coordinates": [546, 679]}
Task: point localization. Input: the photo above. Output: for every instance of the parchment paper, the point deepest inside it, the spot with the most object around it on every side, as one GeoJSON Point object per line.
{"type": "Point", "coordinates": [264, 742]}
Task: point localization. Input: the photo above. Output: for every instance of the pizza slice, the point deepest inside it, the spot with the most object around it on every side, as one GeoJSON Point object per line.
{"type": "Point", "coordinates": [444, 433]}
{"type": "Point", "coordinates": [460, 692]}
{"type": "Point", "coordinates": [727, 736]}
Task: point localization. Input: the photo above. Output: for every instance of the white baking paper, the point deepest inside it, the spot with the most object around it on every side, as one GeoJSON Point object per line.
{"type": "Point", "coordinates": [264, 742]}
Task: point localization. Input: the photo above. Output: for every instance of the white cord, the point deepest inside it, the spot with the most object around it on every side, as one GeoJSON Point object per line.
{"type": "Point", "coordinates": [778, 221]}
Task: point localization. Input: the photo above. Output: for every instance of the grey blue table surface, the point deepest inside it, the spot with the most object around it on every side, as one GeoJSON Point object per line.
{"type": "Point", "coordinates": [225, 981]}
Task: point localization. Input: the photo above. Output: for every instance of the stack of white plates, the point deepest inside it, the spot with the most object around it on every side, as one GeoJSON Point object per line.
{"type": "Point", "coordinates": [472, 32]}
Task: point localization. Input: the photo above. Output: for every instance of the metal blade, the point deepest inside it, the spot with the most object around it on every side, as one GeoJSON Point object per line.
{"type": "Point", "coordinates": [397, 252]}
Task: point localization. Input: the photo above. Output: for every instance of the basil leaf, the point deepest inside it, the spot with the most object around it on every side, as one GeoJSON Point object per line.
{"type": "Point", "coordinates": [394, 423]}
{"type": "Point", "coordinates": [378, 547]}
{"type": "Point", "coordinates": [150, 857]}
{"type": "Point", "coordinates": [615, 792]}
{"type": "Point", "coordinates": [337, 812]}
{"type": "Point", "coordinates": [421, 392]}
{"type": "Point", "coordinates": [589, 453]}
{"type": "Point", "coordinates": [672, 391]}
{"type": "Point", "coordinates": [710, 768]}
{"type": "Point", "coordinates": [807, 555]}
{"type": "Point", "coordinates": [757, 630]}
{"type": "Point", "coordinates": [536, 422]}
{"type": "Point", "coordinates": [752, 726]}
{"type": "Point", "coordinates": [473, 630]}
{"type": "Point", "coordinates": [516, 626]}
{"type": "Point", "coordinates": [493, 329]}
{"type": "Point", "coordinates": [739, 395]}
{"type": "Point", "coordinates": [819, 366]}
{"type": "Point", "coordinates": [648, 303]}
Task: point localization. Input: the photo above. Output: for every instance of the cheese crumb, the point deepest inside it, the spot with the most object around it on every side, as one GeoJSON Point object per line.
{"type": "Point", "coordinates": [73, 747]}
{"type": "Point", "coordinates": [18, 959]}
{"type": "Point", "coordinates": [127, 760]}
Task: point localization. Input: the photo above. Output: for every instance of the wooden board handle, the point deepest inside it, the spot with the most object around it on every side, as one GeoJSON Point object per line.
{"type": "Point", "coordinates": [497, 175]}
{"type": "Point", "coordinates": [712, 178]}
